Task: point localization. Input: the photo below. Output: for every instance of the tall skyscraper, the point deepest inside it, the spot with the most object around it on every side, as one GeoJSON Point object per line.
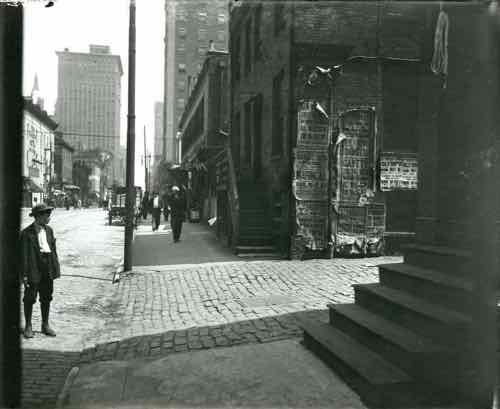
{"type": "Point", "coordinates": [89, 101]}
{"type": "Point", "coordinates": [158, 146]}
{"type": "Point", "coordinates": [190, 27]}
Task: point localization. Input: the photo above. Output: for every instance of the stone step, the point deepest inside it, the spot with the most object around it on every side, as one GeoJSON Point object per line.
{"type": "Point", "coordinates": [254, 249]}
{"type": "Point", "coordinates": [443, 325]}
{"type": "Point", "coordinates": [445, 289]}
{"type": "Point", "coordinates": [446, 259]}
{"type": "Point", "coordinates": [249, 228]}
{"type": "Point", "coordinates": [252, 212]}
{"type": "Point", "coordinates": [260, 256]}
{"type": "Point", "coordinates": [245, 236]}
{"type": "Point", "coordinates": [420, 357]}
{"type": "Point", "coordinates": [377, 381]}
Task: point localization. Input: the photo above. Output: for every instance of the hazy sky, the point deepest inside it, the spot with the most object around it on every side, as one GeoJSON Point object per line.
{"type": "Point", "coordinates": [75, 24]}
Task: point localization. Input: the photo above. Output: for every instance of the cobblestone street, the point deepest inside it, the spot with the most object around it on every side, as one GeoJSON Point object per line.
{"type": "Point", "coordinates": [158, 310]}
{"type": "Point", "coordinates": [88, 251]}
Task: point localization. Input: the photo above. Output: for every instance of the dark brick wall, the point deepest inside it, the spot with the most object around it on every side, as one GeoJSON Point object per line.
{"type": "Point", "coordinates": [397, 27]}
{"type": "Point", "coordinates": [393, 30]}
{"type": "Point", "coordinates": [454, 123]}
{"type": "Point", "coordinates": [273, 57]}
{"type": "Point", "coordinates": [400, 86]}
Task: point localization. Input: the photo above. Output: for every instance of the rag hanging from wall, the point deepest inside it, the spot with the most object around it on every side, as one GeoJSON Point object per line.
{"type": "Point", "coordinates": [439, 63]}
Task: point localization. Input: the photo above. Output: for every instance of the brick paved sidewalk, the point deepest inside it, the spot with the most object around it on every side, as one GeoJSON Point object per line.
{"type": "Point", "coordinates": [160, 310]}
{"type": "Point", "coordinates": [44, 373]}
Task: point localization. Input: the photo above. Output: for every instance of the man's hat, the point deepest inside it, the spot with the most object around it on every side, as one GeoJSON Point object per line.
{"type": "Point", "coordinates": [175, 188]}
{"type": "Point", "coordinates": [40, 208]}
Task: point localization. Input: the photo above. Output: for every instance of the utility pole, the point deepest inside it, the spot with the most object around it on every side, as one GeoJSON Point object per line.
{"type": "Point", "coordinates": [130, 197]}
{"type": "Point", "coordinates": [146, 187]}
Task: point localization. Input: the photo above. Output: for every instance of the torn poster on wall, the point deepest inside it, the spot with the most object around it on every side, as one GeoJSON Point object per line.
{"type": "Point", "coordinates": [312, 222]}
{"type": "Point", "coordinates": [310, 180]}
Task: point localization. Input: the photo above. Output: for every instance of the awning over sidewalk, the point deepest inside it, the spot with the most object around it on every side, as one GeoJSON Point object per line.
{"type": "Point", "coordinates": [30, 185]}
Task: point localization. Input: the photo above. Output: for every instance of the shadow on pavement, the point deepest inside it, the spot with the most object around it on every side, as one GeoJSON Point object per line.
{"type": "Point", "coordinates": [261, 330]}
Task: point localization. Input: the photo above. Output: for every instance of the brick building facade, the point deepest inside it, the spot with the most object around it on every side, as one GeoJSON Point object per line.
{"type": "Point", "coordinates": [446, 290]}
{"type": "Point", "coordinates": [372, 53]}
{"type": "Point", "coordinates": [190, 26]}
{"type": "Point", "coordinates": [63, 162]}
{"type": "Point", "coordinates": [200, 126]}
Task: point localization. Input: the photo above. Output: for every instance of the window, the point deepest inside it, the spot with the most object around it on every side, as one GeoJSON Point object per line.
{"type": "Point", "coordinates": [235, 58]}
{"type": "Point", "coordinates": [182, 32]}
{"type": "Point", "coordinates": [279, 17]}
{"type": "Point", "coordinates": [181, 14]}
{"type": "Point", "coordinates": [221, 18]}
{"type": "Point", "coordinates": [202, 34]}
{"type": "Point", "coordinates": [221, 36]}
{"type": "Point", "coordinates": [248, 51]}
{"type": "Point", "coordinates": [256, 32]}
{"type": "Point", "coordinates": [277, 127]}
{"type": "Point", "coordinates": [182, 67]}
{"type": "Point", "coordinates": [247, 145]}
{"type": "Point", "coordinates": [257, 136]}
{"type": "Point", "coordinates": [180, 103]}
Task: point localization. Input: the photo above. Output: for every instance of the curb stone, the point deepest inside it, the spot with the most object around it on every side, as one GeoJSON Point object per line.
{"type": "Point", "coordinates": [63, 395]}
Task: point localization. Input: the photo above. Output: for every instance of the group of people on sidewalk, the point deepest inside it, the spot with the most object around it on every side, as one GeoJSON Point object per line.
{"type": "Point", "coordinates": [172, 204]}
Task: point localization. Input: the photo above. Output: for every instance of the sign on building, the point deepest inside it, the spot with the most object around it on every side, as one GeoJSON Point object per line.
{"type": "Point", "coordinates": [398, 171]}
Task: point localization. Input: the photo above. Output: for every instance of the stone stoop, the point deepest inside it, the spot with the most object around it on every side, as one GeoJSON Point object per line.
{"type": "Point", "coordinates": [399, 344]}
{"type": "Point", "coordinates": [255, 238]}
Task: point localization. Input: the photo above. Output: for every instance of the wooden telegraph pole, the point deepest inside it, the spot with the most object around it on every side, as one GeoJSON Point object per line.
{"type": "Point", "coordinates": [130, 198]}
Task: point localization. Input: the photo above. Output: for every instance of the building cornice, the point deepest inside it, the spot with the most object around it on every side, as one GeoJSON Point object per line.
{"type": "Point", "coordinates": [113, 56]}
{"type": "Point", "coordinates": [39, 114]}
{"type": "Point", "coordinates": [59, 140]}
{"type": "Point", "coordinates": [212, 56]}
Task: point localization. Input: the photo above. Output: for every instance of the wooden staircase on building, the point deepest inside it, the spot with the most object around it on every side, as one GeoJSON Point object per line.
{"type": "Point", "coordinates": [255, 235]}
{"type": "Point", "coordinates": [399, 343]}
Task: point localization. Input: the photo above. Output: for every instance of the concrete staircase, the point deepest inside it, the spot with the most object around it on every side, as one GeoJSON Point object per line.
{"type": "Point", "coordinates": [399, 343]}
{"type": "Point", "coordinates": [255, 240]}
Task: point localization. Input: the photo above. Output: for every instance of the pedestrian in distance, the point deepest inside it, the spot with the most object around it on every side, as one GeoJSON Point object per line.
{"type": "Point", "coordinates": [156, 207]}
{"type": "Point", "coordinates": [145, 205]}
{"type": "Point", "coordinates": [177, 204]}
{"type": "Point", "coordinates": [166, 210]}
{"type": "Point", "coordinates": [39, 267]}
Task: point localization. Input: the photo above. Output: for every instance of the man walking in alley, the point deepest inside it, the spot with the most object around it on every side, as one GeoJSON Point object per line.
{"type": "Point", "coordinates": [177, 205]}
{"type": "Point", "coordinates": [156, 207]}
{"type": "Point", "coordinates": [145, 205]}
{"type": "Point", "coordinates": [39, 267]}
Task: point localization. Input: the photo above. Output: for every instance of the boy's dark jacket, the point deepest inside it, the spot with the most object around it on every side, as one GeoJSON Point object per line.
{"type": "Point", "coordinates": [30, 254]}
